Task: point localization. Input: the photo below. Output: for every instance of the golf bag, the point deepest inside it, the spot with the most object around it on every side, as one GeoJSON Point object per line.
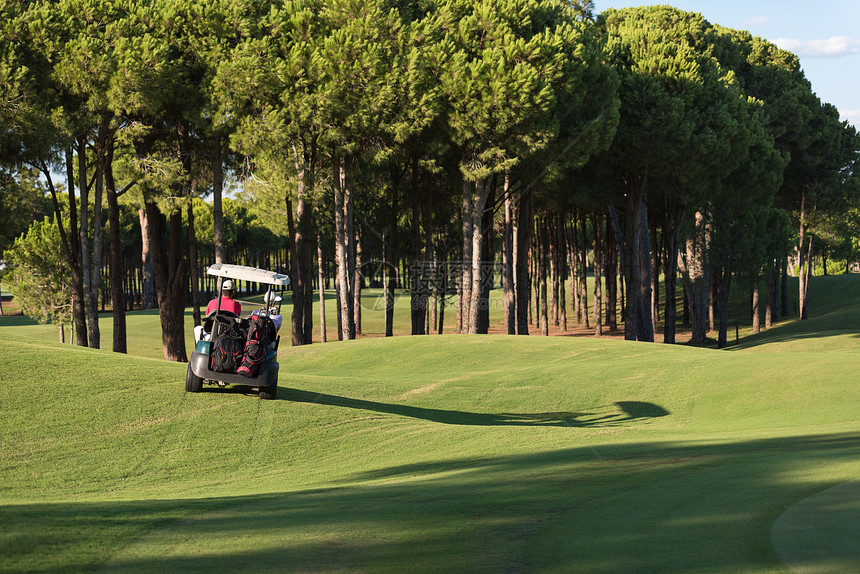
{"type": "Point", "coordinates": [228, 346]}
{"type": "Point", "coordinates": [226, 354]}
{"type": "Point", "coordinates": [255, 346]}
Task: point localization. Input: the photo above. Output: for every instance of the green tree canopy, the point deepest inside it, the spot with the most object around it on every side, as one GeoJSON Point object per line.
{"type": "Point", "coordinates": [40, 280]}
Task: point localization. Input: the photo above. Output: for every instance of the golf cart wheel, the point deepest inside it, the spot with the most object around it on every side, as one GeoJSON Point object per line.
{"type": "Point", "coordinates": [193, 383]}
{"type": "Point", "coordinates": [269, 393]}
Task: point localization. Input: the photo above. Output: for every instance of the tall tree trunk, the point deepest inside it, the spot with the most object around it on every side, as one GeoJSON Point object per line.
{"type": "Point", "coordinates": [576, 270]}
{"type": "Point", "coordinates": [696, 274]}
{"type": "Point", "coordinates": [90, 303]}
{"type": "Point", "coordinates": [583, 268]}
{"type": "Point", "coordinates": [803, 262]}
{"type": "Point", "coordinates": [712, 302]}
{"type": "Point", "coordinates": [296, 324]}
{"type": "Point", "coordinates": [321, 281]}
{"type": "Point", "coordinates": [562, 267]}
{"type": "Point", "coordinates": [444, 289]}
{"type": "Point", "coordinates": [171, 280]}
{"type": "Point", "coordinates": [84, 241]}
{"type": "Point", "coordinates": [523, 225]}
{"type": "Point", "coordinates": [598, 276]}
{"type": "Point", "coordinates": [302, 233]}
{"type": "Point", "coordinates": [756, 311]}
{"type": "Point", "coordinates": [430, 255]}
{"type": "Point", "coordinates": [216, 155]}
{"type": "Point", "coordinates": [770, 309]}
{"type": "Point", "coordinates": [670, 278]}
{"type": "Point", "coordinates": [721, 296]}
{"type": "Point", "coordinates": [801, 257]}
{"type": "Point", "coordinates": [632, 258]}
{"type": "Point", "coordinates": [613, 234]}
{"type": "Point", "coordinates": [101, 144]}
{"type": "Point", "coordinates": [358, 281]}
{"type": "Point", "coordinates": [390, 258]}
{"type": "Point", "coordinates": [646, 327]}
{"type": "Point", "coordinates": [417, 269]}
{"type": "Point", "coordinates": [535, 251]}
{"type": "Point", "coordinates": [541, 255]}
{"type": "Point", "coordinates": [338, 308]}
{"type": "Point", "coordinates": [116, 263]}
{"type": "Point", "coordinates": [552, 247]}
{"type": "Point", "coordinates": [488, 256]}
{"type": "Point", "coordinates": [79, 322]}
{"type": "Point", "coordinates": [685, 300]}
{"type": "Point", "coordinates": [805, 281]}
{"type": "Point", "coordinates": [655, 277]}
{"type": "Point", "coordinates": [482, 189]}
{"type": "Point", "coordinates": [304, 247]}
{"type": "Point", "coordinates": [433, 313]}
{"type": "Point", "coordinates": [463, 316]}
{"type": "Point", "coordinates": [130, 284]}
{"type": "Point", "coordinates": [508, 285]}
{"type": "Point", "coordinates": [344, 246]}
{"type": "Point", "coordinates": [809, 274]}
{"type": "Point", "coordinates": [148, 286]}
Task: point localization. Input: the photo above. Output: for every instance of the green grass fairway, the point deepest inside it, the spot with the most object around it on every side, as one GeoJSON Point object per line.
{"type": "Point", "coordinates": [441, 454]}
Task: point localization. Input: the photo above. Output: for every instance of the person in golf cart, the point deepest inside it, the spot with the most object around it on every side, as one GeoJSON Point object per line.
{"type": "Point", "coordinates": [271, 302]}
{"type": "Point", "coordinates": [228, 302]}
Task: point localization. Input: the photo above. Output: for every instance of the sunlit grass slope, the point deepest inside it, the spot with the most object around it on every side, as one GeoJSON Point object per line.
{"type": "Point", "coordinates": [452, 453]}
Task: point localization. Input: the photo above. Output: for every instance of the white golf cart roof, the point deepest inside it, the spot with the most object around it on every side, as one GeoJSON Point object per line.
{"type": "Point", "coordinates": [249, 274]}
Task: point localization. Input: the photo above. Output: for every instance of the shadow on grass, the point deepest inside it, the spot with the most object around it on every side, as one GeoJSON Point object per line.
{"type": "Point", "coordinates": [842, 324]}
{"type": "Point", "coordinates": [17, 321]}
{"type": "Point", "coordinates": [788, 336]}
{"type": "Point", "coordinates": [630, 411]}
{"type": "Point", "coordinates": [834, 312]}
{"type": "Point", "coordinates": [650, 507]}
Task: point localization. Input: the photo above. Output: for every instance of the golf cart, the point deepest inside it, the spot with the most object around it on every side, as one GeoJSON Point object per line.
{"type": "Point", "coordinates": [253, 341]}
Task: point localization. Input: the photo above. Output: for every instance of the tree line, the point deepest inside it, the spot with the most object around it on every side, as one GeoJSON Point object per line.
{"type": "Point", "coordinates": [449, 134]}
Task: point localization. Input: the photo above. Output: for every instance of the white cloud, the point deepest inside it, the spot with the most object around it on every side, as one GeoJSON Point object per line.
{"type": "Point", "coordinates": [853, 117]}
{"type": "Point", "coordinates": [832, 47]}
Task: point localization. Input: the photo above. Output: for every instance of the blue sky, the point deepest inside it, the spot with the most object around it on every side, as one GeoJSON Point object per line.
{"type": "Point", "coordinates": [824, 34]}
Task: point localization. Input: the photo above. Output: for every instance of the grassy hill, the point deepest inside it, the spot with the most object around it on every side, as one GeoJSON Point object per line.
{"type": "Point", "coordinates": [443, 453]}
